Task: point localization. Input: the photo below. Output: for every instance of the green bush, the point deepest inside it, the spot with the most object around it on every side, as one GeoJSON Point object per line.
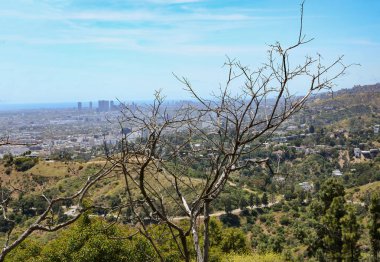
{"type": "Point", "coordinates": [234, 240]}
{"type": "Point", "coordinates": [285, 221]}
{"type": "Point", "coordinates": [87, 241]}
{"type": "Point", "coordinates": [24, 163]}
{"type": "Point", "coordinates": [266, 218]}
{"type": "Point", "coordinates": [8, 160]}
{"type": "Point", "coordinates": [230, 220]}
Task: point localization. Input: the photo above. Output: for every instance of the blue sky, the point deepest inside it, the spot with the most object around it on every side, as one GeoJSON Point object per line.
{"type": "Point", "coordinates": [82, 50]}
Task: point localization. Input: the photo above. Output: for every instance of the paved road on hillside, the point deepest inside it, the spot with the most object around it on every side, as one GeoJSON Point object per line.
{"type": "Point", "coordinates": [219, 213]}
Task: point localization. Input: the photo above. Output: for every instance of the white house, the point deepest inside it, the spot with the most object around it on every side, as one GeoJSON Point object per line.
{"type": "Point", "coordinates": [357, 152]}
{"type": "Point", "coordinates": [337, 172]}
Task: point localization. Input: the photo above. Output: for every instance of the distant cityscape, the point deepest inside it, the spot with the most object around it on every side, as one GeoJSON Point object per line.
{"type": "Point", "coordinates": [88, 105]}
{"type": "Point", "coordinates": [82, 130]}
{"type": "Point", "coordinates": [103, 106]}
{"type": "Point", "coordinates": [47, 131]}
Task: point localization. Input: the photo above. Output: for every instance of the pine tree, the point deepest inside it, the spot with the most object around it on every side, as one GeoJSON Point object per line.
{"type": "Point", "coordinates": [374, 226]}
{"type": "Point", "coordinates": [332, 241]}
{"type": "Point", "coordinates": [350, 235]}
{"type": "Point", "coordinates": [251, 200]}
{"type": "Point", "coordinates": [257, 201]}
{"type": "Point", "coordinates": [243, 203]}
{"type": "Point", "coordinates": [264, 199]}
{"type": "Point", "coordinates": [329, 190]}
{"type": "Point", "coordinates": [337, 228]}
{"type": "Point", "coordinates": [228, 206]}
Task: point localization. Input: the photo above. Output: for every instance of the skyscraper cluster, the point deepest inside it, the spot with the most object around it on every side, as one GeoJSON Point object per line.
{"type": "Point", "coordinates": [103, 106]}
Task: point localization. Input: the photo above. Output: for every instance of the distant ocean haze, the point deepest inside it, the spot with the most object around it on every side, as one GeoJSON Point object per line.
{"type": "Point", "coordinates": [31, 106]}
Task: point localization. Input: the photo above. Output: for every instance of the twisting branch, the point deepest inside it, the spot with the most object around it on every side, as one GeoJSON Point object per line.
{"type": "Point", "coordinates": [44, 222]}
{"type": "Point", "coordinates": [166, 144]}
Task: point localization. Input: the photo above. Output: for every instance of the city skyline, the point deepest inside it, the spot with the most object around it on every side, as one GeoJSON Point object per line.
{"type": "Point", "coordinates": [67, 51]}
{"type": "Point", "coordinates": [85, 105]}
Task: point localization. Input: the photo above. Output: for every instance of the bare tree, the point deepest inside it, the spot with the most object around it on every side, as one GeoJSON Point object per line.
{"type": "Point", "coordinates": [157, 155]}
{"type": "Point", "coordinates": [221, 132]}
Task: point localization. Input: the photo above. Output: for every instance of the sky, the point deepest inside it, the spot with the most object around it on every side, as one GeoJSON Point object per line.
{"type": "Point", "coordinates": [86, 50]}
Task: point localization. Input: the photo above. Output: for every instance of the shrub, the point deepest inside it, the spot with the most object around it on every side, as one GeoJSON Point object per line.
{"type": "Point", "coordinates": [251, 219]}
{"type": "Point", "coordinates": [285, 208]}
{"type": "Point", "coordinates": [266, 218]}
{"type": "Point", "coordinates": [230, 220]}
{"type": "Point", "coordinates": [268, 257]}
{"type": "Point", "coordinates": [24, 163]}
{"type": "Point", "coordinates": [285, 221]}
{"type": "Point", "coordinates": [277, 207]}
{"type": "Point", "coordinates": [8, 171]}
{"type": "Point", "coordinates": [263, 219]}
{"type": "Point", "coordinates": [8, 160]}
{"type": "Point", "coordinates": [244, 213]}
{"type": "Point", "coordinates": [87, 241]}
{"type": "Point", "coordinates": [234, 240]}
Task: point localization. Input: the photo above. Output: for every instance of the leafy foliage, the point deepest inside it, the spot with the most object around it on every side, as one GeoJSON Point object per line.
{"type": "Point", "coordinates": [374, 225]}
{"type": "Point", "coordinates": [24, 163]}
{"type": "Point", "coordinates": [87, 241]}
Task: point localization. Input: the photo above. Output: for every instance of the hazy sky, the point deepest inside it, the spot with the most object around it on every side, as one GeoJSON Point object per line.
{"type": "Point", "coordinates": [81, 50]}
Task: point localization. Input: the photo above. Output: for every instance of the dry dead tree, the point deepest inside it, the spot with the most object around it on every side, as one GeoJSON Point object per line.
{"type": "Point", "coordinates": [155, 156]}
{"type": "Point", "coordinates": [222, 131]}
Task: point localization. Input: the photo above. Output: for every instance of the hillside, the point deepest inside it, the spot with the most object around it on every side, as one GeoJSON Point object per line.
{"type": "Point", "coordinates": [346, 106]}
{"type": "Point", "coordinates": [280, 210]}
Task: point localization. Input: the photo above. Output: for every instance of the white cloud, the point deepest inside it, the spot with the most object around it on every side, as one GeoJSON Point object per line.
{"type": "Point", "coordinates": [139, 29]}
{"type": "Point", "coordinates": [123, 43]}
{"type": "Point", "coordinates": [144, 14]}
{"type": "Point", "coordinates": [127, 16]}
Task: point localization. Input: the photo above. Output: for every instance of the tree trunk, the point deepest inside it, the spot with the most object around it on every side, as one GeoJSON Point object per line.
{"type": "Point", "coordinates": [186, 252]}
{"type": "Point", "coordinates": [206, 244]}
{"type": "Point", "coordinates": [196, 241]}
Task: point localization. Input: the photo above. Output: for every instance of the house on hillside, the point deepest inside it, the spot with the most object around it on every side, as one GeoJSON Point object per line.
{"type": "Point", "coordinates": [34, 154]}
{"type": "Point", "coordinates": [357, 152]}
{"type": "Point", "coordinates": [292, 128]}
{"type": "Point", "coordinates": [72, 211]}
{"type": "Point", "coordinates": [306, 186]}
{"type": "Point", "coordinates": [309, 151]}
{"type": "Point", "coordinates": [279, 139]}
{"type": "Point", "coordinates": [337, 172]}
{"type": "Point", "coordinates": [367, 154]}
{"type": "Point", "coordinates": [374, 152]}
{"type": "Point", "coordinates": [376, 129]}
